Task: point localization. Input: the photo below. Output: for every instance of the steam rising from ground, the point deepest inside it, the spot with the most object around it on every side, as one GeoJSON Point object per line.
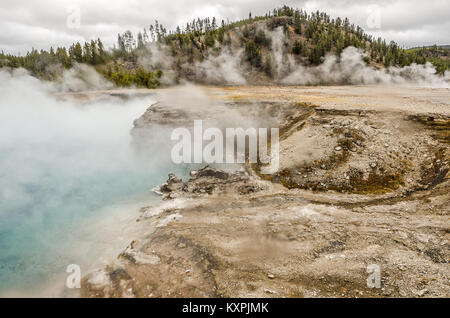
{"type": "Point", "coordinates": [82, 77]}
{"type": "Point", "coordinates": [283, 62]}
{"type": "Point", "coordinates": [219, 69]}
{"type": "Point", "coordinates": [79, 78]}
{"type": "Point", "coordinates": [350, 68]}
{"type": "Point", "coordinates": [222, 69]}
{"type": "Point", "coordinates": [60, 161]}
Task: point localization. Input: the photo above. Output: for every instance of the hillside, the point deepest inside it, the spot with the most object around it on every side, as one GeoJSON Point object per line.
{"type": "Point", "coordinates": [255, 50]}
{"type": "Point", "coordinates": [438, 55]}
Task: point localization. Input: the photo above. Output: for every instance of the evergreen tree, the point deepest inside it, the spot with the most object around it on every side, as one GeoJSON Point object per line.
{"type": "Point", "coordinates": [253, 53]}
{"type": "Point", "coordinates": [87, 58]}
{"type": "Point", "coordinates": [77, 53]}
{"type": "Point", "coordinates": [297, 49]}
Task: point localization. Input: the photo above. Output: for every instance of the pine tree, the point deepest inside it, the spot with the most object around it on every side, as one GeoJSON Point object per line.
{"type": "Point", "coordinates": [101, 51]}
{"type": "Point", "coordinates": [297, 49]}
{"type": "Point", "coordinates": [94, 53]}
{"type": "Point", "coordinates": [140, 41]}
{"type": "Point", "coordinates": [121, 45]}
{"type": "Point", "coordinates": [297, 23]}
{"type": "Point", "coordinates": [77, 52]}
{"type": "Point", "coordinates": [253, 53]}
{"type": "Point", "coordinates": [87, 58]}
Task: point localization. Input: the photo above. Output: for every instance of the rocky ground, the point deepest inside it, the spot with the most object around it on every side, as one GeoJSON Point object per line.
{"type": "Point", "coordinates": [363, 181]}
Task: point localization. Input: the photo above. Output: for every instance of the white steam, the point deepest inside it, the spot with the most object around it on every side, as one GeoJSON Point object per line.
{"type": "Point", "coordinates": [157, 56]}
{"type": "Point", "coordinates": [221, 69]}
{"type": "Point", "coordinates": [82, 77]}
{"type": "Point", "coordinates": [350, 68]}
{"type": "Point", "coordinates": [283, 62]}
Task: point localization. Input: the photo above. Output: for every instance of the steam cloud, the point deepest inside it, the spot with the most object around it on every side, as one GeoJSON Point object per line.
{"type": "Point", "coordinates": [222, 69]}
{"type": "Point", "coordinates": [82, 77]}
{"type": "Point", "coordinates": [350, 68]}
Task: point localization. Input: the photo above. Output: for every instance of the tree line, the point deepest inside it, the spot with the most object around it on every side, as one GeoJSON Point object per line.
{"type": "Point", "coordinates": [308, 36]}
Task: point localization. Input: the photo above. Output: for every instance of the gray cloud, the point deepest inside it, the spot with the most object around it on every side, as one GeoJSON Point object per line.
{"type": "Point", "coordinates": [42, 24]}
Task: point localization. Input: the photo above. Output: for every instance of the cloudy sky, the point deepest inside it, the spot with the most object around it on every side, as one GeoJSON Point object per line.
{"type": "Point", "coordinates": [25, 24]}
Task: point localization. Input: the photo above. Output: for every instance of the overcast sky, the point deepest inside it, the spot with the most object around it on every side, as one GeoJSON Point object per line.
{"type": "Point", "coordinates": [25, 24]}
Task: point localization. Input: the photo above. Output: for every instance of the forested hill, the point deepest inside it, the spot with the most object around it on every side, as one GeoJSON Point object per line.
{"type": "Point", "coordinates": [264, 48]}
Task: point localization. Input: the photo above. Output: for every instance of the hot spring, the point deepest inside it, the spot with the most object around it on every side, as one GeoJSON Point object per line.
{"type": "Point", "coordinates": [70, 181]}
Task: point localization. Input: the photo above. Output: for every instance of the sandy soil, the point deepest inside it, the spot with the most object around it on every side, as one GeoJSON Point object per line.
{"type": "Point", "coordinates": [363, 183]}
